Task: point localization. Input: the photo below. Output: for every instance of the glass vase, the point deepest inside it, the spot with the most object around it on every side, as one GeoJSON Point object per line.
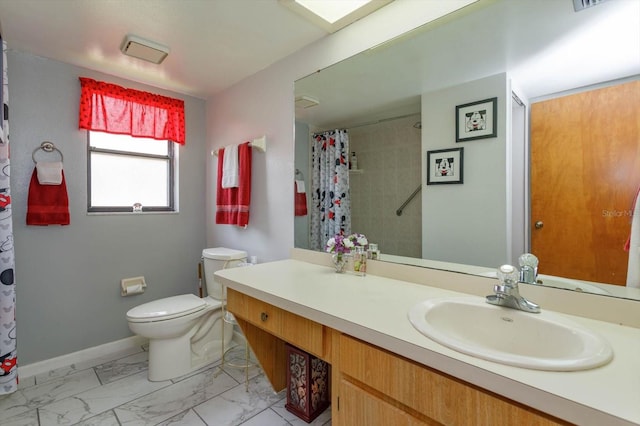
{"type": "Point", "coordinates": [339, 262]}
{"type": "Point", "coordinates": [359, 261]}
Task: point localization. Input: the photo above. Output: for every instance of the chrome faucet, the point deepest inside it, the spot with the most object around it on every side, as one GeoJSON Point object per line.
{"type": "Point", "coordinates": [528, 268]}
{"type": "Point", "coordinates": [507, 293]}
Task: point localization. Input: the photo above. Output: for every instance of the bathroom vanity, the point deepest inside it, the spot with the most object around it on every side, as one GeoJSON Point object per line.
{"type": "Point", "coordinates": [385, 372]}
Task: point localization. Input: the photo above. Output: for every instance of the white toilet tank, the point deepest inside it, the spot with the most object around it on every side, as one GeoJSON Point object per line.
{"type": "Point", "coordinates": [218, 258]}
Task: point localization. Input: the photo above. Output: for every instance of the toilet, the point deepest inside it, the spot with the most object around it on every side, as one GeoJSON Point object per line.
{"type": "Point", "coordinates": [185, 331]}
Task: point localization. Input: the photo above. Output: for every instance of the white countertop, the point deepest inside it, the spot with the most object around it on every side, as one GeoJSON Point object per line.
{"type": "Point", "coordinates": [374, 309]}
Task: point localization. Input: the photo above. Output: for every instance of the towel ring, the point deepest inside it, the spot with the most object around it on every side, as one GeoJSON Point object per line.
{"type": "Point", "coordinates": [48, 147]}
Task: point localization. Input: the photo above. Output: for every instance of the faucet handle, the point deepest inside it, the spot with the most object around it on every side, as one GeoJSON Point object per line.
{"type": "Point", "coordinates": [528, 259]}
{"type": "Point", "coordinates": [528, 268]}
{"type": "Point", "coordinates": [507, 293]}
{"type": "Point", "coordinates": [508, 276]}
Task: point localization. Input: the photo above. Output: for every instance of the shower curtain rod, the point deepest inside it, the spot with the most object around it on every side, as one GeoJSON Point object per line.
{"type": "Point", "coordinates": [368, 123]}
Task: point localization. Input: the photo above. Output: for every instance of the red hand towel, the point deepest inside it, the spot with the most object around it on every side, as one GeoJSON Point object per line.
{"type": "Point", "coordinates": [47, 204]}
{"type": "Point", "coordinates": [300, 202]}
{"type": "Point", "coordinates": [232, 204]}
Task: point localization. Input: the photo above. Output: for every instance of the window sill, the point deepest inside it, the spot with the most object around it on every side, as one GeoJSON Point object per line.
{"type": "Point", "coordinates": [130, 213]}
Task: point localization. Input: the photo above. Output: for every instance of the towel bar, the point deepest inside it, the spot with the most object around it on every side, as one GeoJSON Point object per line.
{"type": "Point", "coordinates": [48, 147]}
{"type": "Point", "coordinates": [259, 143]}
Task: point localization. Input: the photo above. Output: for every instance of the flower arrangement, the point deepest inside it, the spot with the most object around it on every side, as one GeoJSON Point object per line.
{"type": "Point", "coordinates": [341, 244]}
{"type": "Point", "coordinates": [359, 240]}
{"type": "Point", "coordinates": [338, 245]}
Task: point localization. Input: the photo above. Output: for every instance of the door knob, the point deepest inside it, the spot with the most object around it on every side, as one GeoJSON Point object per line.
{"type": "Point", "coordinates": [264, 316]}
{"type": "Point", "coordinates": [539, 224]}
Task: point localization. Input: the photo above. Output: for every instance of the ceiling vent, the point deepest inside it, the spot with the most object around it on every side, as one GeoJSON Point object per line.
{"type": "Point", "coordinates": [579, 5]}
{"type": "Point", "coordinates": [306, 102]}
{"type": "Point", "coordinates": [144, 49]}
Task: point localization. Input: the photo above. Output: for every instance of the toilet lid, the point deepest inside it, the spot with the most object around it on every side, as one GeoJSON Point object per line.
{"type": "Point", "coordinates": [167, 308]}
{"type": "Point", "coordinates": [223, 253]}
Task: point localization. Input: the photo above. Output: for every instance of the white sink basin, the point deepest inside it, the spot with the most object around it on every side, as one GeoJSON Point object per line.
{"type": "Point", "coordinates": [544, 341]}
{"type": "Point", "coordinates": [575, 285]}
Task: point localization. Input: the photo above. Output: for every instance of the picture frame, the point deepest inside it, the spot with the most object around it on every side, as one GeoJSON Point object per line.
{"type": "Point", "coordinates": [477, 120]}
{"type": "Point", "coordinates": [445, 166]}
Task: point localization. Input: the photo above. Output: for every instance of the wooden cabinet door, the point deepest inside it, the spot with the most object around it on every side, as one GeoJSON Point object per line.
{"type": "Point", "coordinates": [360, 408]}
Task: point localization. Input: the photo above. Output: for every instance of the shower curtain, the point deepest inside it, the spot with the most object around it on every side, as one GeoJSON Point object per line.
{"type": "Point", "coordinates": [331, 203]}
{"type": "Point", "coordinates": [8, 357]}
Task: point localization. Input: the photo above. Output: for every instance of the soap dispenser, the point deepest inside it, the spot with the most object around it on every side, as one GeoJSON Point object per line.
{"type": "Point", "coordinates": [353, 163]}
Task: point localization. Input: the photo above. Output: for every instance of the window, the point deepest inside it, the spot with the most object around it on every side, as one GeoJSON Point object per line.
{"type": "Point", "coordinates": [124, 171]}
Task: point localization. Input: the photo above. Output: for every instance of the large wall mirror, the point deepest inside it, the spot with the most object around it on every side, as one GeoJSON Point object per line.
{"type": "Point", "coordinates": [398, 103]}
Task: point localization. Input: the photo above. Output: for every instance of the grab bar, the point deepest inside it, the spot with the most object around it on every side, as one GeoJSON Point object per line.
{"type": "Point", "coordinates": [413, 194]}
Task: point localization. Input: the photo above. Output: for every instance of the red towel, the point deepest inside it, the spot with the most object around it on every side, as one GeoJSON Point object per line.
{"type": "Point", "coordinates": [300, 202]}
{"type": "Point", "coordinates": [47, 204]}
{"type": "Point", "coordinates": [232, 204]}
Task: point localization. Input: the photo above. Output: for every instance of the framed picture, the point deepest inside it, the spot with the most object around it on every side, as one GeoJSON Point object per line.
{"type": "Point", "coordinates": [445, 166]}
{"type": "Point", "coordinates": [477, 120]}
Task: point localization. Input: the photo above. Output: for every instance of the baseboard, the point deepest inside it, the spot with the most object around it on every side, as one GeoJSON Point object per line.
{"type": "Point", "coordinates": [88, 354]}
{"type": "Point", "coordinates": [101, 351]}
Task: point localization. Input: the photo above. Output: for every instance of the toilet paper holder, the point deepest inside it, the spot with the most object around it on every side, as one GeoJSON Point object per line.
{"type": "Point", "coordinates": [131, 286]}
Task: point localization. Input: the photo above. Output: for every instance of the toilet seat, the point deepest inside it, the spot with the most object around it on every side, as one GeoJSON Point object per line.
{"type": "Point", "coordinates": [167, 308]}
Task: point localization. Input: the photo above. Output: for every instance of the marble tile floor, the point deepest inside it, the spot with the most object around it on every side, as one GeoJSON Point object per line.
{"type": "Point", "coordinates": [114, 391]}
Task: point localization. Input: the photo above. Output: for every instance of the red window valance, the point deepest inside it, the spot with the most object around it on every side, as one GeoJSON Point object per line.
{"type": "Point", "coordinates": [110, 108]}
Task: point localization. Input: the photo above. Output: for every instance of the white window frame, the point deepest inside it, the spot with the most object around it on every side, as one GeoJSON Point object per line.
{"type": "Point", "coordinates": [172, 184]}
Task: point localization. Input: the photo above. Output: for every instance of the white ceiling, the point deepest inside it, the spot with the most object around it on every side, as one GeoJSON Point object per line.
{"type": "Point", "coordinates": [545, 46]}
{"type": "Point", "coordinates": [217, 43]}
{"type": "Point", "coordinates": [214, 43]}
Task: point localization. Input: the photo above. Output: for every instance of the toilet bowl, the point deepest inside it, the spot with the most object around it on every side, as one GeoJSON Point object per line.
{"type": "Point", "coordinates": [185, 331]}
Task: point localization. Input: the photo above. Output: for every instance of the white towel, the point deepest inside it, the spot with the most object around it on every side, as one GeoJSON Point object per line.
{"type": "Point", "coordinates": [230, 175]}
{"type": "Point", "coordinates": [633, 266]}
{"type": "Point", "coordinates": [49, 172]}
{"type": "Point", "coordinates": [300, 186]}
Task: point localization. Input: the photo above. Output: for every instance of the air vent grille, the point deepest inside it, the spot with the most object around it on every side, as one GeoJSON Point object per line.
{"type": "Point", "coordinates": [579, 5]}
{"type": "Point", "coordinates": [144, 49]}
{"type": "Point", "coordinates": [306, 102]}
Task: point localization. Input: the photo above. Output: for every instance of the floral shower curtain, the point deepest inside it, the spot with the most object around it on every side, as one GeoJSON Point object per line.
{"type": "Point", "coordinates": [331, 202]}
{"type": "Point", "coordinates": [8, 357]}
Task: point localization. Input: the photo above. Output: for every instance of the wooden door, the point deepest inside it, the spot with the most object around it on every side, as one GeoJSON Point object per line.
{"type": "Point", "coordinates": [585, 171]}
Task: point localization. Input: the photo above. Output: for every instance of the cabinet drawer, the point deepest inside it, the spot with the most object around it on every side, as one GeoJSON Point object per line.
{"type": "Point", "coordinates": [429, 392]}
{"type": "Point", "coordinates": [264, 315]}
{"type": "Point", "coordinates": [299, 331]}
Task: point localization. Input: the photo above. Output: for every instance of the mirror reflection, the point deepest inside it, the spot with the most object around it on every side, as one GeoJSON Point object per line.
{"type": "Point", "coordinates": [398, 102]}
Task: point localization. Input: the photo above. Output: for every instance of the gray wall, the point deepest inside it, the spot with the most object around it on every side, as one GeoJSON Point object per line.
{"type": "Point", "coordinates": [466, 223]}
{"type": "Point", "coordinates": [302, 148]}
{"type": "Point", "coordinates": [68, 277]}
